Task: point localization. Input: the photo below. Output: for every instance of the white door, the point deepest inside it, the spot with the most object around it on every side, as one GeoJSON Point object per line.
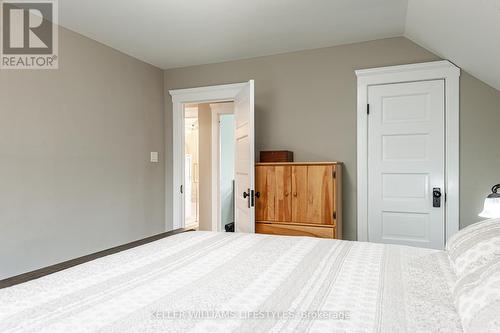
{"type": "Point", "coordinates": [406, 163]}
{"type": "Point", "coordinates": [244, 160]}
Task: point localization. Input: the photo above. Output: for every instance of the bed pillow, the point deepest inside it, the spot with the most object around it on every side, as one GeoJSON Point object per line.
{"type": "Point", "coordinates": [475, 257]}
{"type": "Point", "coordinates": [473, 246]}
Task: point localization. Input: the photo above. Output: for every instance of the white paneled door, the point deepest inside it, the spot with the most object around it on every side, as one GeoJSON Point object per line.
{"type": "Point", "coordinates": [406, 154]}
{"type": "Point", "coordinates": [244, 159]}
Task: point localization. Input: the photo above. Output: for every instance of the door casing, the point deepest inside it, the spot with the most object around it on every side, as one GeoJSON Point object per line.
{"type": "Point", "coordinates": [174, 219]}
{"type": "Point", "coordinates": [436, 70]}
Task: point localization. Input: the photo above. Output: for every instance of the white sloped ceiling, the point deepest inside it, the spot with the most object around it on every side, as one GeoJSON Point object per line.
{"type": "Point", "coordinates": [466, 32]}
{"type": "Point", "coordinates": [176, 33]}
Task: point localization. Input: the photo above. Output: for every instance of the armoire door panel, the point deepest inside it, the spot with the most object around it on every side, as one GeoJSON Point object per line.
{"type": "Point", "coordinates": [312, 194]}
{"type": "Point", "coordinates": [283, 201]}
{"type": "Point", "coordinates": [299, 194]}
{"type": "Point", "coordinates": [320, 193]}
{"type": "Point", "coordinates": [265, 183]}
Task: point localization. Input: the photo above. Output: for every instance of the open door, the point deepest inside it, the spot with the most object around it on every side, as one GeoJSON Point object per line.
{"type": "Point", "coordinates": [244, 160]}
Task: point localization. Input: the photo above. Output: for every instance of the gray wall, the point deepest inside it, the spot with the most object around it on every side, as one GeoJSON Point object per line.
{"type": "Point", "coordinates": [75, 175]}
{"type": "Point", "coordinates": [306, 102]}
{"type": "Point", "coordinates": [205, 167]}
{"type": "Point", "coordinates": [479, 145]}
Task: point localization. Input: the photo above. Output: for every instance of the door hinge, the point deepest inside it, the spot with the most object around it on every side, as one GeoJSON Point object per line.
{"type": "Point", "coordinates": [367, 108]}
{"type": "Point", "coordinates": [334, 215]}
{"type": "Point", "coordinates": [182, 189]}
{"type": "Point", "coordinates": [334, 174]}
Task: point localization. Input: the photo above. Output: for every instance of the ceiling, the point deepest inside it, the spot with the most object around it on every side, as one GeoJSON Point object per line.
{"type": "Point", "coordinates": [177, 33]}
{"type": "Point", "coordinates": [467, 32]}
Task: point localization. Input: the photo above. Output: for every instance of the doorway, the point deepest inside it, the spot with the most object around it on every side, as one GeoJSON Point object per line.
{"type": "Point", "coordinates": [209, 155]}
{"type": "Point", "coordinates": [408, 154]}
{"type": "Point", "coordinates": [186, 177]}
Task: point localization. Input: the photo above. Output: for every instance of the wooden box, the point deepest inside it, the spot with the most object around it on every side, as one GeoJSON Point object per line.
{"type": "Point", "coordinates": [276, 156]}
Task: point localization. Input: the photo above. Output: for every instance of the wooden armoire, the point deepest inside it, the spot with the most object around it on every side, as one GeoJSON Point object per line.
{"type": "Point", "coordinates": [299, 199]}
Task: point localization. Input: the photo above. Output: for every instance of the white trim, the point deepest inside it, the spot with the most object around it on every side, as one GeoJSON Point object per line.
{"type": "Point", "coordinates": [408, 73]}
{"type": "Point", "coordinates": [217, 110]}
{"type": "Point", "coordinates": [220, 93]}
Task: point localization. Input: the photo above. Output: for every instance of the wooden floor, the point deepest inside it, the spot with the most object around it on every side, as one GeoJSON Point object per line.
{"type": "Point", "coordinates": [70, 263]}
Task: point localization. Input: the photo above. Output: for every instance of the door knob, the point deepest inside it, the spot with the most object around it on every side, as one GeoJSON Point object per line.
{"type": "Point", "coordinates": [436, 197]}
{"type": "Point", "coordinates": [246, 195]}
{"type": "Point", "coordinates": [257, 195]}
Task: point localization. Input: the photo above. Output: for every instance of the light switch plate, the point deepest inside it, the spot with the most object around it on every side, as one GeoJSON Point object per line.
{"type": "Point", "coordinates": [154, 157]}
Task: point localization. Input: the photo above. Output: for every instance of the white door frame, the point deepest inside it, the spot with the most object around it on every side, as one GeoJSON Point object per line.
{"type": "Point", "coordinates": [436, 70]}
{"type": "Point", "coordinates": [217, 110]}
{"type": "Point", "coordinates": [209, 94]}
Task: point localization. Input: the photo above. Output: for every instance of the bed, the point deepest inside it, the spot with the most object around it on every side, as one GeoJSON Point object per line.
{"type": "Point", "coordinates": [223, 282]}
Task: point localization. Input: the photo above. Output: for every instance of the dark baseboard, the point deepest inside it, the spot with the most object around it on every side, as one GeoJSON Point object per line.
{"type": "Point", "coordinates": [73, 262]}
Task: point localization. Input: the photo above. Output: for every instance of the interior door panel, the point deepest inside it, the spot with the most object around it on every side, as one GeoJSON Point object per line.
{"type": "Point", "coordinates": [405, 162]}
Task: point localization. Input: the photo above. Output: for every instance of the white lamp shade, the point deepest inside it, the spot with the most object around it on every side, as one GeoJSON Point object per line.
{"type": "Point", "coordinates": [491, 208]}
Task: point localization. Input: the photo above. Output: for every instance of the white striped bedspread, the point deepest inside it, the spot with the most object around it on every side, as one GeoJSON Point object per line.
{"type": "Point", "coordinates": [219, 282]}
